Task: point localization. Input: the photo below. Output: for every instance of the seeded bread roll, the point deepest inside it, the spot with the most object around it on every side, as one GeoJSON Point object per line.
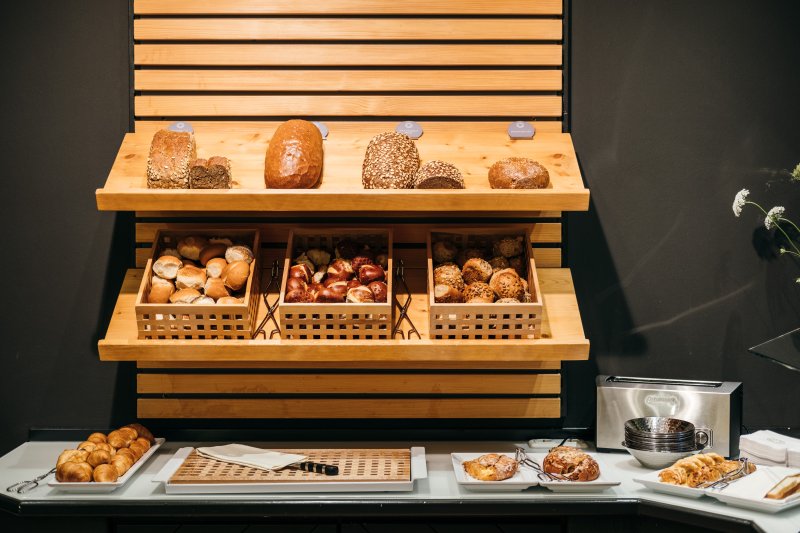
{"type": "Point", "coordinates": [438, 175]}
{"type": "Point", "coordinates": [294, 156]}
{"type": "Point", "coordinates": [212, 173]}
{"type": "Point", "coordinates": [478, 293]}
{"type": "Point", "coordinates": [390, 162]}
{"type": "Point", "coordinates": [168, 162]}
{"type": "Point", "coordinates": [518, 173]}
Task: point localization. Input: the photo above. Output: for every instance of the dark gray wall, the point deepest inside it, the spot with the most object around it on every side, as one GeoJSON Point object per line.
{"type": "Point", "coordinates": [675, 107]}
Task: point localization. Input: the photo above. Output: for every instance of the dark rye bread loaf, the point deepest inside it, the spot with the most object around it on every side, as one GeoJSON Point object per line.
{"type": "Point", "coordinates": [438, 175]}
{"type": "Point", "coordinates": [390, 162]}
{"type": "Point", "coordinates": [168, 162]}
{"type": "Point", "coordinates": [294, 156]}
{"type": "Point", "coordinates": [211, 173]}
{"type": "Point", "coordinates": [518, 173]}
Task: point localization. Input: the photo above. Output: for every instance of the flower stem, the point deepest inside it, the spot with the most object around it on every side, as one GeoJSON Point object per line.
{"type": "Point", "coordinates": [791, 242]}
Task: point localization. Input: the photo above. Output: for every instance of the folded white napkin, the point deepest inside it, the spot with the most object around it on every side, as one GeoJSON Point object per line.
{"type": "Point", "coordinates": [240, 454]}
{"type": "Point", "coordinates": [769, 445]}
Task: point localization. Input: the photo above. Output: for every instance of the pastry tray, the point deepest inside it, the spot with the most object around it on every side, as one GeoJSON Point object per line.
{"type": "Point", "coordinates": [96, 487]}
{"type": "Point", "coordinates": [361, 470]}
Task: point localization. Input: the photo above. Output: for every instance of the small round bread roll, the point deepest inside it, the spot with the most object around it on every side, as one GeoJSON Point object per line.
{"type": "Point", "coordinates": [222, 240]}
{"type": "Point", "coordinates": [444, 252]}
{"type": "Point", "coordinates": [122, 463]}
{"type": "Point", "coordinates": [239, 253]}
{"type": "Point", "coordinates": [507, 301]}
{"type": "Point", "coordinates": [509, 247]}
{"type": "Point", "coordinates": [445, 294]}
{"type": "Point", "coordinates": [160, 290]}
{"type": "Point", "coordinates": [87, 445]}
{"type": "Point", "coordinates": [478, 293]}
{"type": "Point", "coordinates": [215, 288]}
{"type": "Point", "coordinates": [190, 247]}
{"type": "Point", "coordinates": [171, 251]}
{"type": "Point", "coordinates": [137, 449]}
{"type": "Point", "coordinates": [71, 455]}
{"type": "Point", "coordinates": [141, 441]}
{"type": "Point", "coordinates": [438, 175]}
{"type": "Point", "coordinates": [98, 457]}
{"type": "Point", "coordinates": [72, 472]}
{"type": "Point", "coordinates": [191, 277]}
{"type": "Point", "coordinates": [360, 295]}
{"type": "Point", "coordinates": [468, 254]}
{"type": "Point", "coordinates": [507, 284]}
{"type": "Point", "coordinates": [518, 264]}
{"type": "Point", "coordinates": [230, 300]}
{"type": "Point", "coordinates": [476, 269]}
{"type": "Point", "coordinates": [215, 267]}
{"type": "Point", "coordinates": [167, 266]}
{"type": "Point", "coordinates": [204, 300]}
{"type": "Point", "coordinates": [105, 473]}
{"type": "Point", "coordinates": [448, 274]}
{"type": "Point", "coordinates": [499, 263]}
{"type": "Point", "coordinates": [127, 452]}
{"type": "Point", "coordinates": [235, 275]}
{"type": "Point", "coordinates": [142, 431]}
{"type": "Point", "coordinates": [185, 296]}
{"type": "Point", "coordinates": [518, 173]}
{"type": "Point", "coordinates": [119, 440]}
{"type": "Point", "coordinates": [97, 437]}
{"type": "Point", "coordinates": [212, 251]}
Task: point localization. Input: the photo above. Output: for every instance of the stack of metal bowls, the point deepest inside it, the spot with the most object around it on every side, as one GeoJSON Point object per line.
{"type": "Point", "coordinates": [657, 441]}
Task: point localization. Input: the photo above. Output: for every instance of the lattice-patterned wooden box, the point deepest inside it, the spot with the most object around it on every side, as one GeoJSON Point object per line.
{"type": "Point", "coordinates": [370, 321]}
{"type": "Point", "coordinates": [485, 321]}
{"type": "Point", "coordinates": [190, 321]}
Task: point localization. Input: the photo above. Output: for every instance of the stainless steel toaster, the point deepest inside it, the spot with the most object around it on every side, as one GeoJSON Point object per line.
{"type": "Point", "coordinates": [712, 405]}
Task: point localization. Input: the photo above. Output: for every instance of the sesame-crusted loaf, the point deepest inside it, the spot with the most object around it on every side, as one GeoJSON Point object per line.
{"type": "Point", "coordinates": [438, 175]}
{"type": "Point", "coordinates": [390, 162]}
{"type": "Point", "coordinates": [168, 162]}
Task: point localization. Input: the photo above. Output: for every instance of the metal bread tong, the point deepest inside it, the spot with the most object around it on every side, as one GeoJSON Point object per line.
{"type": "Point", "coordinates": [522, 458]}
{"type": "Point", "coordinates": [26, 486]}
{"type": "Point", "coordinates": [727, 479]}
{"type": "Point", "coordinates": [400, 274]}
{"type": "Point", "coordinates": [273, 279]}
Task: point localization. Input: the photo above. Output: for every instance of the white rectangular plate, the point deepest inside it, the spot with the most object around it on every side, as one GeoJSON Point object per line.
{"type": "Point", "coordinates": [524, 477]}
{"type": "Point", "coordinates": [91, 486]}
{"type": "Point", "coordinates": [749, 492]}
{"type": "Point", "coordinates": [419, 470]}
{"type": "Point", "coordinates": [598, 485]}
{"type": "Point", "coordinates": [652, 482]}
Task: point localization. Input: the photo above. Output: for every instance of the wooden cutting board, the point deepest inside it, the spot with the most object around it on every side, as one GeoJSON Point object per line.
{"type": "Point", "coordinates": [355, 465]}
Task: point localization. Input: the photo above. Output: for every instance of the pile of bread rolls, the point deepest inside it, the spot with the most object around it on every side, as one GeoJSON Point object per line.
{"type": "Point", "coordinates": [104, 458]}
{"type": "Point", "coordinates": [352, 273]}
{"type": "Point", "coordinates": [483, 272]}
{"type": "Point", "coordinates": [204, 271]}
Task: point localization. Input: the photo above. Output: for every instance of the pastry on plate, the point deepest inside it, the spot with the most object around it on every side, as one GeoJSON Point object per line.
{"type": "Point", "coordinates": [491, 467]}
{"type": "Point", "coordinates": [698, 469]}
{"type": "Point", "coordinates": [571, 463]}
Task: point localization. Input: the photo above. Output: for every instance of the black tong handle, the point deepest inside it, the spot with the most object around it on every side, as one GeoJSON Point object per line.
{"type": "Point", "coordinates": [319, 468]}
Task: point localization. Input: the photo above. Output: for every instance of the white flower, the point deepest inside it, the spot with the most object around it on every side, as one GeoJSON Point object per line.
{"type": "Point", "coordinates": [773, 215]}
{"type": "Point", "coordinates": [739, 201]}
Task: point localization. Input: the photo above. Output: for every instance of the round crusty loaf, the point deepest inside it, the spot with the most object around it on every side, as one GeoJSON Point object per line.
{"type": "Point", "coordinates": [294, 156]}
{"type": "Point", "coordinates": [518, 173]}
{"type": "Point", "coordinates": [390, 162]}
{"type": "Point", "coordinates": [438, 175]}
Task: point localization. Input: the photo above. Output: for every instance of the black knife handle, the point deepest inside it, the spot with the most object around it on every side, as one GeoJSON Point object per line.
{"type": "Point", "coordinates": [319, 468]}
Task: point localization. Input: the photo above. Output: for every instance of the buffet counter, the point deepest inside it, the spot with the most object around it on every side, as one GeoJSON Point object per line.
{"type": "Point", "coordinates": [437, 496]}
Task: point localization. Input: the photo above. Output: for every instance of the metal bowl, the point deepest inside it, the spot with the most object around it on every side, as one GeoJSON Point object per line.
{"type": "Point", "coordinates": [656, 459]}
{"type": "Point", "coordinates": [659, 427]}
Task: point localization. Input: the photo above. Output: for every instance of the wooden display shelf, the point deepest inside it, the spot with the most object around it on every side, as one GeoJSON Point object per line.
{"type": "Point", "coordinates": [472, 146]}
{"type": "Point", "coordinates": [562, 336]}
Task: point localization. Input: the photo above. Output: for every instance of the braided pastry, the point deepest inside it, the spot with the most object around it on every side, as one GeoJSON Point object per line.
{"type": "Point", "coordinates": [697, 469]}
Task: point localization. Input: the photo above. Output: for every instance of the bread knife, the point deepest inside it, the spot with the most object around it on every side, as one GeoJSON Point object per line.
{"type": "Point", "coordinates": [319, 468]}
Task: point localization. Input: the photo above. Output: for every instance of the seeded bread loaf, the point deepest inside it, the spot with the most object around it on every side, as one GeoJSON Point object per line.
{"type": "Point", "coordinates": [294, 156]}
{"type": "Point", "coordinates": [390, 162]}
{"type": "Point", "coordinates": [518, 173]}
{"type": "Point", "coordinates": [438, 175]}
{"type": "Point", "coordinates": [212, 173]}
{"type": "Point", "coordinates": [168, 162]}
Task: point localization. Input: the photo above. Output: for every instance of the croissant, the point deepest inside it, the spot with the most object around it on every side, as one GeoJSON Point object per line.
{"type": "Point", "coordinates": [129, 433]}
{"type": "Point", "coordinates": [87, 445]}
{"type": "Point", "coordinates": [143, 442]}
{"type": "Point", "coordinates": [127, 452]}
{"type": "Point", "coordinates": [72, 472]}
{"type": "Point", "coordinates": [71, 455]}
{"type": "Point", "coordinates": [107, 447]}
{"type": "Point", "coordinates": [105, 473]}
{"type": "Point", "coordinates": [137, 449]}
{"type": "Point", "coordinates": [97, 437]}
{"type": "Point", "coordinates": [697, 469]}
{"type": "Point", "coordinates": [98, 457]}
{"type": "Point", "coordinates": [142, 431]}
{"type": "Point", "coordinates": [118, 439]}
{"type": "Point", "coordinates": [122, 463]}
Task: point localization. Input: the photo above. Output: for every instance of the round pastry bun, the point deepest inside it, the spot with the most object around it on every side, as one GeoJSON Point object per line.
{"type": "Point", "coordinates": [191, 277]}
{"type": "Point", "coordinates": [105, 473]}
{"type": "Point", "coordinates": [235, 275]}
{"type": "Point", "coordinates": [167, 266]}
{"type": "Point", "coordinates": [160, 290]}
{"type": "Point", "coordinates": [73, 472]}
{"type": "Point", "coordinates": [215, 267]}
{"type": "Point", "coordinates": [211, 251]}
{"type": "Point", "coordinates": [184, 296]}
{"type": "Point", "coordinates": [239, 253]}
{"type": "Point", "coordinates": [215, 288]}
{"type": "Point", "coordinates": [190, 247]}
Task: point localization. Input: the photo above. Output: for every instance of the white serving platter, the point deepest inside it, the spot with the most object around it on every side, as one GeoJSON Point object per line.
{"type": "Point", "coordinates": [524, 477]}
{"type": "Point", "coordinates": [603, 482]}
{"type": "Point", "coordinates": [748, 492]}
{"type": "Point", "coordinates": [652, 482]}
{"type": "Point", "coordinates": [95, 487]}
{"type": "Point", "coordinates": [419, 470]}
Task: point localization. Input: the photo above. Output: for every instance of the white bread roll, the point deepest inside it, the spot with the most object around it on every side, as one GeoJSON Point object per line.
{"type": "Point", "coordinates": [215, 267]}
{"type": "Point", "coordinates": [190, 247]}
{"type": "Point", "coordinates": [239, 253]}
{"type": "Point", "coordinates": [224, 240]}
{"type": "Point", "coordinates": [160, 290]}
{"type": "Point", "coordinates": [230, 300]}
{"type": "Point", "coordinates": [215, 288]}
{"type": "Point", "coordinates": [185, 296]}
{"type": "Point", "coordinates": [171, 251]}
{"type": "Point", "coordinates": [235, 275]}
{"type": "Point", "coordinates": [204, 300]}
{"type": "Point", "coordinates": [167, 266]}
{"type": "Point", "coordinates": [191, 277]}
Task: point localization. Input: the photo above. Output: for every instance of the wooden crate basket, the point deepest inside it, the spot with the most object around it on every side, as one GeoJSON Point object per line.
{"type": "Point", "coordinates": [485, 321]}
{"type": "Point", "coordinates": [304, 321]}
{"type": "Point", "coordinates": [189, 321]}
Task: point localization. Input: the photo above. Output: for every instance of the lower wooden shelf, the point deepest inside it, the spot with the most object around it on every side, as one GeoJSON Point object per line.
{"type": "Point", "coordinates": [562, 338]}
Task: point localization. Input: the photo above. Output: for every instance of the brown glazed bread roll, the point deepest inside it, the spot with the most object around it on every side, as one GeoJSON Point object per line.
{"type": "Point", "coordinates": [212, 173]}
{"type": "Point", "coordinates": [168, 162]}
{"type": "Point", "coordinates": [105, 473]}
{"type": "Point", "coordinates": [294, 156]}
{"type": "Point", "coordinates": [72, 472]}
{"type": "Point", "coordinates": [518, 173]}
{"type": "Point", "coordinates": [390, 162]}
{"type": "Point", "coordinates": [438, 175]}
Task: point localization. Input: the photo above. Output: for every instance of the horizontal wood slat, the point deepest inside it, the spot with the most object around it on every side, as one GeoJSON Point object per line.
{"type": "Point", "coordinates": [347, 7]}
{"type": "Point", "coordinates": [385, 365]}
{"type": "Point", "coordinates": [348, 54]}
{"type": "Point", "coordinates": [347, 80]}
{"type": "Point", "coordinates": [437, 384]}
{"type": "Point", "coordinates": [375, 105]}
{"type": "Point", "coordinates": [339, 29]}
{"type": "Point", "coordinates": [351, 408]}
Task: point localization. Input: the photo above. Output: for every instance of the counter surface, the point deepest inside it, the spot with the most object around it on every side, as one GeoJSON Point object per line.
{"type": "Point", "coordinates": [432, 496]}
